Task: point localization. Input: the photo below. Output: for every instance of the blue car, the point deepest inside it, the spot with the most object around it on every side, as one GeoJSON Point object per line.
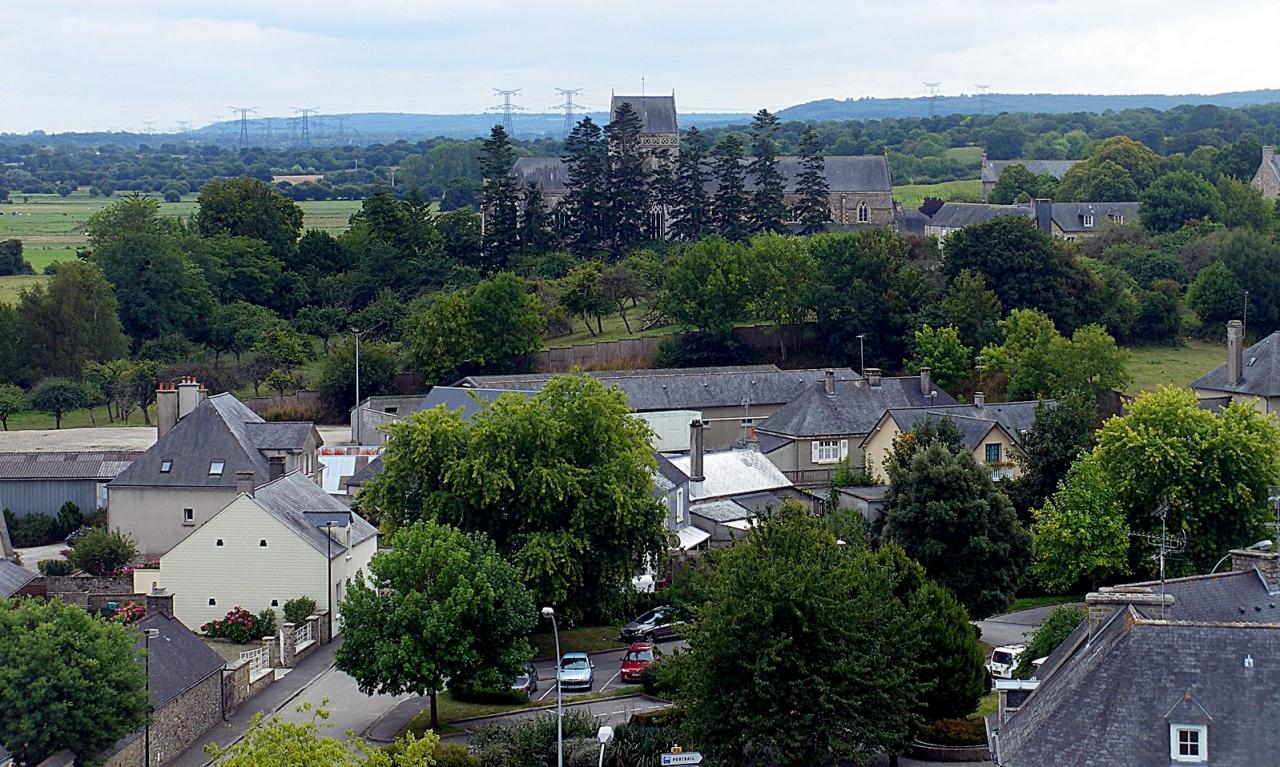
{"type": "Point", "coordinates": [577, 672]}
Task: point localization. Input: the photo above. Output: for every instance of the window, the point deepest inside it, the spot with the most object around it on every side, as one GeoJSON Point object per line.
{"type": "Point", "coordinates": [263, 543]}
{"type": "Point", "coordinates": [864, 213]}
{"type": "Point", "coordinates": [1088, 220]}
{"type": "Point", "coordinates": [188, 516]}
{"type": "Point", "coordinates": [166, 466]}
{"type": "Point", "coordinates": [994, 450]}
{"type": "Point", "coordinates": [215, 468]}
{"type": "Point", "coordinates": [680, 506]}
{"type": "Point", "coordinates": [218, 542]}
{"type": "Point", "coordinates": [1116, 218]}
{"type": "Point", "coordinates": [828, 450]}
{"type": "Point", "coordinates": [392, 409]}
{"type": "Point", "coordinates": [1189, 743]}
{"type": "Point", "coordinates": [212, 601]}
{"type": "Point", "coordinates": [275, 603]}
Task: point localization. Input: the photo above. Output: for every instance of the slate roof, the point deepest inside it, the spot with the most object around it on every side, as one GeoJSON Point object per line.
{"type": "Point", "coordinates": [854, 409]}
{"type": "Point", "coordinates": [683, 388]}
{"type": "Point", "coordinates": [956, 215]}
{"type": "Point", "coordinates": [1069, 216]}
{"type": "Point", "coordinates": [973, 430]}
{"type": "Point", "coordinates": [1259, 375]}
{"type": "Point", "coordinates": [867, 493]}
{"type": "Point", "coordinates": [550, 174]}
{"type": "Point", "coordinates": [96, 465]}
{"type": "Point", "coordinates": [657, 113]}
{"type": "Point", "coordinates": [469, 400]}
{"type": "Point", "coordinates": [1113, 700]}
{"type": "Point", "coordinates": [302, 506]}
{"type": "Point", "coordinates": [991, 169]}
{"type": "Point", "coordinates": [1014, 417]}
{"type": "Point", "coordinates": [733, 472]}
{"type": "Point", "coordinates": [723, 510]}
{"type": "Point", "coordinates": [13, 577]}
{"type": "Point", "coordinates": [221, 428]}
{"type": "Point", "coordinates": [179, 659]}
{"type": "Point", "coordinates": [370, 470]}
{"type": "Point", "coordinates": [1238, 596]}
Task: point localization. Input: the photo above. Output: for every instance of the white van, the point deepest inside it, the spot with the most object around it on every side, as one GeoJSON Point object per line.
{"type": "Point", "coordinates": [1004, 660]}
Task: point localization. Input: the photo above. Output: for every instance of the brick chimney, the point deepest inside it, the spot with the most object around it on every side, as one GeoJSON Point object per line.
{"type": "Point", "coordinates": [979, 399]}
{"type": "Point", "coordinates": [166, 408]}
{"type": "Point", "coordinates": [244, 483]}
{"type": "Point", "coordinates": [829, 378]}
{"type": "Point", "coordinates": [1104, 602]}
{"type": "Point", "coordinates": [1044, 215]}
{"type": "Point", "coordinates": [926, 385]}
{"type": "Point", "coordinates": [1267, 563]}
{"type": "Point", "coordinates": [159, 601]}
{"type": "Point", "coordinates": [1235, 352]}
{"type": "Point", "coordinates": [873, 376]}
{"type": "Point", "coordinates": [188, 396]}
{"type": "Point", "coordinates": [275, 467]}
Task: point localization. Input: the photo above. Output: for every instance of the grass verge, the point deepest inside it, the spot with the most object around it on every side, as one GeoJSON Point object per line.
{"type": "Point", "coordinates": [1026, 603]}
{"type": "Point", "coordinates": [450, 710]}
{"type": "Point", "coordinates": [583, 639]}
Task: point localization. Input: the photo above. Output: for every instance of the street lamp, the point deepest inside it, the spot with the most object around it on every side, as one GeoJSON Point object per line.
{"type": "Point", "coordinates": [605, 736]}
{"type": "Point", "coordinates": [147, 636]}
{"type": "Point", "coordinates": [548, 612]}
{"type": "Point", "coordinates": [1262, 545]}
{"type": "Point", "coordinates": [862, 358]}
{"type": "Point", "coordinates": [357, 332]}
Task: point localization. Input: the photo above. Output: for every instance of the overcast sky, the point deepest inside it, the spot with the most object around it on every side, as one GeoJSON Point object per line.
{"type": "Point", "coordinates": [99, 64]}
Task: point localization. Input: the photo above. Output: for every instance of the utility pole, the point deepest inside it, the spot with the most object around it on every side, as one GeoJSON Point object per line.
{"type": "Point", "coordinates": [506, 107]}
{"type": "Point", "coordinates": [244, 124]}
{"type": "Point", "coordinates": [933, 96]}
{"type": "Point", "coordinates": [306, 112]}
{"type": "Point", "coordinates": [567, 107]}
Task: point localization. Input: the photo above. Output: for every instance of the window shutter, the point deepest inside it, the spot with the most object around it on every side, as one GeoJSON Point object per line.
{"type": "Point", "coordinates": [844, 449]}
{"type": "Point", "coordinates": [814, 446]}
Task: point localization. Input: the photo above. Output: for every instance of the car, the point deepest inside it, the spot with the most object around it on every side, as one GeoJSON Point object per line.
{"type": "Point", "coordinates": [654, 626]}
{"type": "Point", "coordinates": [1004, 660]}
{"type": "Point", "coordinates": [527, 681]}
{"type": "Point", "coordinates": [577, 672]}
{"type": "Point", "coordinates": [639, 656]}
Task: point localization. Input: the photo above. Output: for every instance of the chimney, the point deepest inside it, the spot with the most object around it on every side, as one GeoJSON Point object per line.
{"type": "Point", "coordinates": [244, 483]}
{"type": "Point", "coordinates": [275, 468]}
{"type": "Point", "coordinates": [873, 377]}
{"type": "Point", "coordinates": [1267, 564]}
{"type": "Point", "coordinates": [202, 394]}
{"type": "Point", "coordinates": [926, 386]}
{"type": "Point", "coordinates": [1268, 154]}
{"type": "Point", "coordinates": [695, 451]}
{"type": "Point", "coordinates": [979, 399]}
{"type": "Point", "coordinates": [1235, 352]}
{"type": "Point", "coordinates": [166, 408]}
{"type": "Point", "coordinates": [1044, 215]}
{"type": "Point", "coordinates": [159, 601]}
{"type": "Point", "coordinates": [829, 376]}
{"type": "Point", "coordinates": [188, 396]}
{"type": "Point", "coordinates": [1104, 602]}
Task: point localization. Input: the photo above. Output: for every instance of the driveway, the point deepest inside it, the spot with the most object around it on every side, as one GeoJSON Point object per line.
{"type": "Point", "coordinates": [32, 555]}
{"type": "Point", "coordinates": [1013, 628]}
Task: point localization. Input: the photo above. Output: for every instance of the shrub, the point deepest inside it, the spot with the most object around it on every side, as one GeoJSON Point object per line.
{"type": "Point", "coordinates": [313, 412]}
{"type": "Point", "coordinates": [454, 755]}
{"type": "Point", "coordinates": [69, 517]}
{"type": "Point", "coordinates": [33, 530]}
{"type": "Point", "coordinates": [298, 610]}
{"type": "Point", "coordinates": [955, 732]}
{"type": "Point", "coordinates": [129, 612]}
{"type": "Point", "coordinates": [55, 567]}
{"type": "Point", "coordinates": [662, 679]}
{"type": "Point", "coordinates": [103, 552]}
{"type": "Point", "coordinates": [265, 622]}
{"type": "Point", "coordinates": [239, 625]}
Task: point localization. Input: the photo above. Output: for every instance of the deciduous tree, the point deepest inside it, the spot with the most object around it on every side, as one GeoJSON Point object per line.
{"type": "Point", "coordinates": [708, 286]}
{"type": "Point", "coordinates": [57, 396]}
{"type": "Point", "coordinates": [941, 350]}
{"type": "Point", "coordinates": [1080, 535]}
{"type": "Point", "coordinates": [1176, 199]}
{"type": "Point", "coordinates": [12, 401]}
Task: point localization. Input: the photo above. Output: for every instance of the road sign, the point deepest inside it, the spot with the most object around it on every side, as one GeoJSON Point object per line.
{"type": "Point", "coordinates": [687, 757]}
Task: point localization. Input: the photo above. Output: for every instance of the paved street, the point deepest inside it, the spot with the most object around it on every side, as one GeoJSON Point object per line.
{"type": "Point", "coordinates": [1013, 628]}
{"type": "Point", "coordinates": [614, 711]}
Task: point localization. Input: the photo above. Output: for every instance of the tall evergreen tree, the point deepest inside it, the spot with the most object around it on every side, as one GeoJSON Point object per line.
{"type": "Point", "coordinates": [768, 213]}
{"type": "Point", "coordinates": [500, 201]}
{"type": "Point", "coordinates": [731, 205]}
{"type": "Point", "coordinates": [585, 157]}
{"type": "Point", "coordinates": [813, 208]}
{"type": "Point", "coordinates": [536, 234]}
{"type": "Point", "coordinates": [628, 188]}
{"type": "Point", "coordinates": [691, 217]}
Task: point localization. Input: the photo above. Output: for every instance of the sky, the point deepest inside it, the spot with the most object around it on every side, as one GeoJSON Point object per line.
{"type": "Point", "coordinates": [119, 64]}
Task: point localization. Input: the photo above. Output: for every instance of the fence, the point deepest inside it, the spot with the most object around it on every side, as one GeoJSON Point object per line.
{"type": "Point", "coordinates": [304, 634]}
{"type": "Point", "coordinates": [259, 662]}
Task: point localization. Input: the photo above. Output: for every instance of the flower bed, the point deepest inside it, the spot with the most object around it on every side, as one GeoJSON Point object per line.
{"type": "Point", "coordinates": [240, 626]}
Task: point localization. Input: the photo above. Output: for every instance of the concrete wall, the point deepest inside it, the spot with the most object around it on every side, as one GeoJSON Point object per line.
{"type": "Point", "coordinates": [46, 496]}
{"type": "Point", "coordinates": [176, 725]}
{"type": "Point", "coordinates": [153, 516]}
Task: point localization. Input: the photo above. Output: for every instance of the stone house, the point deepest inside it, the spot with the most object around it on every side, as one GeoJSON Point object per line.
{"type": "Point", "coordinates": [1268, 176]}
{"type": "Point", "coordinates": [190, 473]}
{"type": "Point", "coordinates": [1060, 220]}
{"type": "Point", "coordinates": [1248, 375]}
{"type": "Point", "coordinates": [991, 170]}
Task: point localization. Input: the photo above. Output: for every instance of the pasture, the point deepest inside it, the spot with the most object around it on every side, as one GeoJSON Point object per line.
{"type": "Point", "coordinates": [912, 195]}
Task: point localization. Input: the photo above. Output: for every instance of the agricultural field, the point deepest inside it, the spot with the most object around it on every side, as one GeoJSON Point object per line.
{"type": "Point", "coordinates": [967, 190]}
{"type": "Point", "coordinates": [1151, 366]}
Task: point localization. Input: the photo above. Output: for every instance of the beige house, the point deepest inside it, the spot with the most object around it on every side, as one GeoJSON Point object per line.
{"type": "Point", "coordinates": [1247, 375]}
{"type": "Point", "coordinates": [189, 474]}
{"type": "Point", "coordinates": [282, 540]}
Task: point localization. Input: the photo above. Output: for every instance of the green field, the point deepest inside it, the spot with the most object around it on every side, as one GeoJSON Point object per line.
{"type": "Point", "coordinates": [1151, 366]}
{"type": "Point", "coordinates": [966, 154]}
{"type": "Point", "coordinates": [911, 195]}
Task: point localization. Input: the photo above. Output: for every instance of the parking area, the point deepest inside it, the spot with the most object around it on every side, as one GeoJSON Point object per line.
{"type": "Point", "coordinates": [608, 670]}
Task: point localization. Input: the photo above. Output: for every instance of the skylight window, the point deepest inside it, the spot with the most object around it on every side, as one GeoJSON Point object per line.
{"type": "Point", "coordinates": [215, 468]}
{"type": "Point", "coordinates": [166, 466]}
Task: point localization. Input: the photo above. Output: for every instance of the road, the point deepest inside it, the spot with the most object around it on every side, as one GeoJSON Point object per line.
{"type": "Point", "coordinates": [1013, 628]}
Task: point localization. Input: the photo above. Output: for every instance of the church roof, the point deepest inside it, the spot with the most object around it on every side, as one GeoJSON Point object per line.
{"type": "Point", "coordinates": [550, 174]}
{"type": "Point", "coordinates": [657, 113]}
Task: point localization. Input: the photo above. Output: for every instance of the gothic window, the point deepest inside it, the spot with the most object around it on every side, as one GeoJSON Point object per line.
{"type": "Point", "coordinates": [864, 213]}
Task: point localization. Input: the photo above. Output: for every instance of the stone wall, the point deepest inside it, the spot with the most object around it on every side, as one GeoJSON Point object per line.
{"type": "Point", "coordinates": [631, 353]}
{"type": "Point", "coordinates": [176, 725]}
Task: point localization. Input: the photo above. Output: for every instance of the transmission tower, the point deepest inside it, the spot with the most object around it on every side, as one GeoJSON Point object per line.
{"type": "Point", "coordinates": [342, 129]}
{"type": "Point", "coordinates": [933, 96]}
{"type": "Point", "coordinates": [148, 126]}
{"type": "Point", "coordinates": [984, 96]}
{"type": "Point", "coordinates": [184, 126]}
{"type": "Point", "coordinates": [306, 112]}
{"type": "Point", "coordinates": [506, 107]}
{"type": "Point", "coordinates": [567, 107]}
{"type": "Point", "coordinates": [244, 124]}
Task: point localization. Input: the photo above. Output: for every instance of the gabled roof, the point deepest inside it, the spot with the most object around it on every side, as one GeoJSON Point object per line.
{"type": "Point", "coordinates": [1238, 596]}
{"type": "Point", "coordinates": [469, 400]}
{"type": "Point", "coordinates": [1259, 373]}
{"type": "Point", "coordinates": [956, 215]}
{"type": "Point", "coordinates": [550, 174]}
{"type": "Point", "coordinates": [370, 470]}
{"type": "Point", "coordinates": [1069, 216]}
{"type": "Point", "coordinates": [853, 410]}
{"type": "Point", "coordinates": [222, 429]}
{"type": "Point", "coordinates": [657, 113]}
{"type": "Point", "coordinates": [96, 465]}
{"type": "Point", "coordinates": [732, 472]}
{"type": "Point", "coordinates": [991, 169]}
{"type": "Point", "coordinates": [13, 577]}
{"type": "Point", "coordinates": [973, 430]}
{"type": "Point", "coordinates": [179, 659]}
{"type": "Point", "coordinates": [1013, 417]}
{"type": "Point", "coordinates": [303, 506]}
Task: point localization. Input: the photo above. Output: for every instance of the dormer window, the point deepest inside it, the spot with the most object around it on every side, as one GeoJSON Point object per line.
{"type": "Point", "coordinates": [1189, 743]}
{"type": "Point", "coordinates": [215, 468]}
{"type": "Point", "coordinates": [1088, 219]}
{"type": "Point", "coordinates": [166, 466]}
{"type": "Point", "coordinates": [1116, 217]}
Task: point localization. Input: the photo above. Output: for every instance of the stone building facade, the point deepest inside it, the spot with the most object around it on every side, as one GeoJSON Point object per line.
{"type": "Point", "coordinates": [1268, 176]}
{"type": "Point", "coordinates": [175, 726]}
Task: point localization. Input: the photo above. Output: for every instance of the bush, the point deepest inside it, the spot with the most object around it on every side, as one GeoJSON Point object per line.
{"type": "Point", "coordinates": [32, 530]}
{"type": "Point", "coordinates": [265, 622]}
{"type": "Point", "coordinates": [298, 610]}
{"type": "Point", "coordinates": [171, 195]}
{"type": "Point", "coordinates": [69, 517]}
{"type": "Point", "coordinates": [55, 567]}
{"type": "Point", "coordinates": [955, 732]}
{"type": "Point", "coordinates": [313, 413]}
{"type": "Point", "coordinates": [103, 552]}
{"type": "Point", "coordinates": [239, 626]}
{"type": "Point", "coordinates": [662, 679]}
{"type": "Point", "coordinates": [454, 755]}
{"type": "Point", "coordinates": [1053, 632]}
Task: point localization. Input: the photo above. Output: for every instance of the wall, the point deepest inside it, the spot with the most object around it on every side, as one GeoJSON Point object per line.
{"type": "Point", "coordinates": [176, 725]}
{"type": "Point", "coordinates": [304, 399]}
{"type": "Point", "coordinates": [629, 353]}
{"type": "Point", "coordinates": [153, 516]}
{"type": "Point", "coordinates": [46, 496]}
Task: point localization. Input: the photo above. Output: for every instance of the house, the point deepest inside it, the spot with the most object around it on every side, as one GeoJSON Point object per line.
{"type": "Point", "coordinates": [271, 543]}
{"type": "Point", "coordinates": [992, 431]}
{"type": "Point", "coordinates": [991, 170]}
{"type": "Point", "coordinates": [1267, 178]}
{"type": "Point", "coordinates": [1180, 673]}
{"type": "Point", "coordinates": [954, 216]}
{"type": "Point", "coordinates": [729, 400]}
{"type": "Point", "coordinates": [1060, 220]}
{"type": "Point", "coordinates": [189, 474]}
{"type": "Point", "coordinates": [184, 677]}
{"type": "Point", "coordinates": [1248, 375]}
{"type": "Point", "coordinates": [824, 425]}
{"type": "Point", "coordinates": [41, 482]}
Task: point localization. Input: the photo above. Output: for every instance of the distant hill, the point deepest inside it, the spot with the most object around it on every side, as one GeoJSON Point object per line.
{"type": "Point", "coordinates": [879, 109]}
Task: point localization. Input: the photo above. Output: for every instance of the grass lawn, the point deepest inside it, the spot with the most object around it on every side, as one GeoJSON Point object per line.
{"type": "Point", "coordinates": [76, 419]}
{"type": "Point", "coordinates": [988, 705]}
{"type": "Point", "coordinates": [614, 329]}
{"type": "Point", "coordinates": [967, 154]}
{"type": "Point", "coordinates": [1150, 366]}
{"type": "Point", "coordinates": [584, 639]}
{"type": "Point", "coordinates": [911, 195]}
{"type": "Point", "coordinates": [450, 710]}
{"type": "Point", "coordinates": [10, 286]}
{"type": "Point", "coordinates": [1026, 603]}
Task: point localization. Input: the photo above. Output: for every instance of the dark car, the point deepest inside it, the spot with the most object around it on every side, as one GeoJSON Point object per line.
{"type": "Point", "coordinates": [640, 656]}
{"type": "Point", "coordinates": [527, 681]}
{"type": "Point", "coordinates": [654, 626]}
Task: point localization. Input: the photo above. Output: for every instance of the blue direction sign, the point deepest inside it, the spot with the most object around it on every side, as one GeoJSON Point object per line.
{"type": "Point", "coordinates": [685, 757]}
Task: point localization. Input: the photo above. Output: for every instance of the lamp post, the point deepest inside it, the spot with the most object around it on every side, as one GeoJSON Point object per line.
{"type": "Point", "coordinates": [1262, 545]}
{"type": "Point", "coordinates": [357, 332]}
{"type": "Point", "coordinates": [147, 636]}
{"type": "Point", "coordinates": [605, 736]}
{"type": "Point", "coordinates": [862, 357]}
{"type": "Point", "coordinates": [548, 612]}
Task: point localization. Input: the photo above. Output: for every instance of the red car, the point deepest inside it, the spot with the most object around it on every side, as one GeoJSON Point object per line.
{"type": "Point", "coordinates": [639, 657]}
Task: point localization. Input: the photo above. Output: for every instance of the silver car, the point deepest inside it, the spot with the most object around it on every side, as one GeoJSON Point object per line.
{"type": "Point", "coordinates": [577, 672]}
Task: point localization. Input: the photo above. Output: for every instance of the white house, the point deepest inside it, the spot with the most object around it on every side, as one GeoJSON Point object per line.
{"type": "Point", "coordinates": [283, 540]}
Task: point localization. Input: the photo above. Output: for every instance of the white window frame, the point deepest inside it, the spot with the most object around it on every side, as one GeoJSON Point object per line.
{"type": "Point", "coordinates": [1088, 219]}
{"type": "Point", "coordinates": [1202, 743]}
{"type": "Point", "coordinates": [188, 516]}
{"type": "Point", "coordinates": [221, 466]}
{"type": "Point", "coordinates": [829, 450]}
{"type": "Point", "coordinates": [680, 506]}
{"type": "Point", "coordinates": [166, 465]}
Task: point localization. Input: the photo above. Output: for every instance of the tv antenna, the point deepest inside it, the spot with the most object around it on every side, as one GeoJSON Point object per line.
{"type": "Point", "coordinates": [933, 96]}
{"type": "Point", "coordinates": [1166, 545]}
{"type": "Point", "coordinates": [305, 112]}
{"type": "Point", "coordinates": [568, 108]}
{"type": "Point", "coordinates": [244, 124]}
{"type": "Point", "coordinates": [984, 96]}
{"type": "Point", "coordinates": [506, 107]}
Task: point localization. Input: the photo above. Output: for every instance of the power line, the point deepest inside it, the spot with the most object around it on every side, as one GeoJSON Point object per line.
{"type": "Point", "coordinates": [933, 96]}
{"type": "Point", "coordinates": [244, 124]}
{"type": "Point", "coordinates": [306, 112]}
{"type": "Point", "coordinates": [567, 107]}
{"type": "Point", "coordinates": [506, 107]}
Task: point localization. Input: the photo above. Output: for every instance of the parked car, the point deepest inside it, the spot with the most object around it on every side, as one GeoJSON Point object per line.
{"type": "Point", "coordinates": [527, 681]}
{"type": "Point", "coordinates": [654, 626]}
{"type": "Point", "coordinates": [577, 672]}
{"type": "Point", "coordinates": [1004, 660]}
{"type": "Point", "coordinates": [640, 656]}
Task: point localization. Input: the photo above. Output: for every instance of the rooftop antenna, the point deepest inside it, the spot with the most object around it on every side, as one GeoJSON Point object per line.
{"type": "Point", "coordinates": [244, 124]}
{"type": "Point", "coordinates": [506, 107]}
{"type": "Point", "coordinates": [933, 96]}
{"type": "Point", "coordinates": [306, 112]}
{"type": "Point", "coordinates": [567, 107]}
{"type": "Point", "coordinates": [1166, 545]}
{"type": "Point", "coordinates": [984, 96]}
{"type": "Point", "coordinates": [746, 421]}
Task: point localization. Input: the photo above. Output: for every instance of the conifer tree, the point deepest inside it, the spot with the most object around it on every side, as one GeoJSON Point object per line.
{"type": "Point", "coordinates": [768, 213]}
{"type": "Point", "coordinates": [628, 200]}
{"type": "Point", "coordinates": [730, 206]}
{"type": "Point", "coordinates": [813, 208]}
{"type": "Point", "coordinates": [536, 233]}
{"type": "Point", "coordinates": [585, 158]}
{"type": "Point", "coordinates": [501, 201]}
{"type": "Point", "coordinates": [691, 219]}
{"type": "Point", "coordinates": [664, 193]}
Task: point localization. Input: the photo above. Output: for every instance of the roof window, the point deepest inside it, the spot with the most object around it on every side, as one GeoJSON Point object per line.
{"type": "Point", "coordinates": [215, 468]}
{"type": "Point", "coordinates": [166, 466]}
